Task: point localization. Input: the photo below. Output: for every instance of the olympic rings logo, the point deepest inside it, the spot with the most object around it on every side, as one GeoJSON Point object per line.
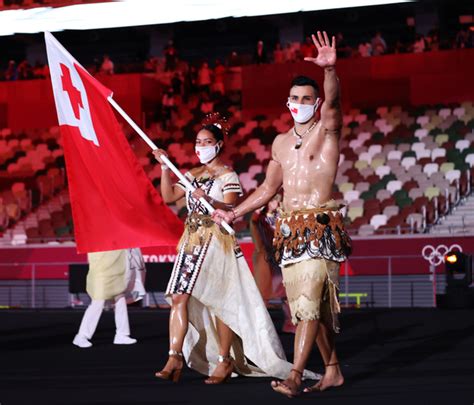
{"type": "Point", "coordinates": [436, 255]}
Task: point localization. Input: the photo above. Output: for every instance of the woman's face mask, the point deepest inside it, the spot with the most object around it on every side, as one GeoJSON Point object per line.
{"type": "Point", "coordinates": [207, 153]}
{"type": "Point", "coordinates": [302, 112]}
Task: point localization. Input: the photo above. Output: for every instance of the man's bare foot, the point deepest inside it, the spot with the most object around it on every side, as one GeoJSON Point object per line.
{"type": "Point", "coordinates": [331, 379]}
{"type": "Point", "coordinates": [289, 387]}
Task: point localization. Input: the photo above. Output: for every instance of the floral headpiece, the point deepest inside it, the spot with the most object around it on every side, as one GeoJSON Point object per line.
{"type": "Point", "coordinates": [217, 120]}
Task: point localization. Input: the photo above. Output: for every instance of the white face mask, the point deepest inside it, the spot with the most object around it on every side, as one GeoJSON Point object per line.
{"type": "Point", "coordinates": [302, 112]}
{"type": "Point", "coordinates": [207, 153]}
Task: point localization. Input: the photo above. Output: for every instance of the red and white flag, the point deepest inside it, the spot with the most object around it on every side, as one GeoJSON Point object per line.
{"type": "Point", "coordinates": [114, 205]}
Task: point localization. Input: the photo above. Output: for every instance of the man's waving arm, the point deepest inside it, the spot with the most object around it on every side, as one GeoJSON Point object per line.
{"type": "Point", "coordinates": [331, 111]}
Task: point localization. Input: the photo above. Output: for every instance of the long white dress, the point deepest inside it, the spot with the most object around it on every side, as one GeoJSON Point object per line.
{"type": "Point", "coordinates": [216, 275]}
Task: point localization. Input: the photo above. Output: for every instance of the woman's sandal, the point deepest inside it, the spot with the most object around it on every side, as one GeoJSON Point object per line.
{"type": "Point", "coordinates": [220, 380]}
{"type": "Point", "coordinates": [175, 374]}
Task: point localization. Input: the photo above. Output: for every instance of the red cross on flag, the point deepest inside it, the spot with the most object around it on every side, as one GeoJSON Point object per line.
{"type": "Point", "coordinates": [114, 205]}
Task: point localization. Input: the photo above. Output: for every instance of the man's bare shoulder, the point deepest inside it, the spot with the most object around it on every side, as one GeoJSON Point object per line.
{"type": "Point", "coordinates": [278, 146]}
{"type": "Point", "coordinates": [280, 138]}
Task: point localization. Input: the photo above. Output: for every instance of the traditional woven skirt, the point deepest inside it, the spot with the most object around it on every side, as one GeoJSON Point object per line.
{"type": "Point", "coordinates": [200, 231]}
{"type": "Point", "coordinates": [311, 288]}
{"type": "Point", "coordinates": [310, 244]}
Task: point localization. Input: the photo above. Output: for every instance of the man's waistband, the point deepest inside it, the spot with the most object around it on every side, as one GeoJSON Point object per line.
{"type": "Point", "coordinates": [331, 205]}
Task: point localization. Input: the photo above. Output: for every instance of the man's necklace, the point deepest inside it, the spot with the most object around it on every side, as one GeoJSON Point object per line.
{"type": "Point", "coordinates": [299, 141]}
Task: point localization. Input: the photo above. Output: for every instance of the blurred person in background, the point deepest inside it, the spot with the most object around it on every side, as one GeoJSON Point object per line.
{"type": "Point", "coordinates": [219, 75]}
{"type": "Point", "coordinates": [113, 276]}
{"type": "Point", "coordinates": [12, 72]}
{"type": "Point", "coordinates": [107, 66]}
{"type": "Point", "coordinates": [260, 55]}
{"type": "Point", "coordinates": [379, 46]}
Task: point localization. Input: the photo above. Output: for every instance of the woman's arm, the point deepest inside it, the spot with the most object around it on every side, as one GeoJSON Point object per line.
{"type": "Point", "coordinates": [170, 192]}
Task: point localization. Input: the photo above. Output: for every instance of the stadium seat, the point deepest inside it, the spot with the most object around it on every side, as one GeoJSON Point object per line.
{"type": "Point", "coordinates": [391, 211]}
{"type": "Point", "coordinates": [423, 153]}
{"type": "Point", "coordinates": [418, 146]}
{"type": "Point", "coordinates": [355, 212]}
{"type": "Point", "coordinates": [394, 185]}
{"type": "Point", "coordinates": [362, 186]}
{"type": "Point", "coordinates": [444, 113]}
{"type": "Point", "coordinates": [415, 193]}
{"type": "Point", "coordinates": [382, 170]}
{"type": "Point", "coordinates": [459, 112]}
{"type": "Point", "coordinates": [361, 164]}
{"type": "Point", "coordinates": [394, 155]}
{"type": "Point", "coordinates": [421, 133]}
{"type": "Point", "coordinates": [383, 194]}
{"type": "Point", "coordinates": [415, 221]}
{"type": "Point", "coordinates": [344, 187]}
{"type": "Point", "coordinates": [438, 152]}
{"type": "Point", "coordinates": [452, 175]}
{"type": "Point", "coordinates": [378, 220]}
{"type": "Point", "coordinates": [446, 167]}
{"type": "Point", "coordinates": [366, 230]}
{"type": "Point", "coordinates": [470, 159]}
{"type": "Point", "coordinates": [351, 195]}
{"type": "Point", "coordinates": [431, 192]}
{"type": "Point", "coordinates": [430, 168]}
{"type": "Point", "coordinates": [407, 162]}
{"type": "Point", "coordinates": [462, 144]}
{"type": "Point", "coordinates": [441, 139]}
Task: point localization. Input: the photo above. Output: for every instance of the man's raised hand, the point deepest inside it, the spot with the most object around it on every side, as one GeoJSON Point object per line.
{"type": "Point", "coordinates": [326, 50]}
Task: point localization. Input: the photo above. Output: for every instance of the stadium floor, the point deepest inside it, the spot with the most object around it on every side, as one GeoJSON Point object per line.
{"type": "Point", "coordinates": [408, 356]}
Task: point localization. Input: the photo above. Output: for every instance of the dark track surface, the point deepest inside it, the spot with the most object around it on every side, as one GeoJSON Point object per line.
{"type": "Point", "coordinates": [398, 356]}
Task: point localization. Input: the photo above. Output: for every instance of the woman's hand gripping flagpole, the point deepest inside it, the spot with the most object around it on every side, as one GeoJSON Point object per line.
{"type": "Point", "coordinates": [168, 163]}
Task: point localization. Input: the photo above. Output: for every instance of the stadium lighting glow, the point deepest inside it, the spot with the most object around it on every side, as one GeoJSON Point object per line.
{"type": "Point", "coordinates": [451, 258]}
{"type": "Point", "coordinates": [128, 13]}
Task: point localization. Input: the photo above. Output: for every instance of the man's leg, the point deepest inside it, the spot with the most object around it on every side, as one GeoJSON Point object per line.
{"type": "Point", "coordinates": [122, 334]}
{"type": "Point", "coordinates": [325, 340]}
{"type": "Point", "coordinates": [288, 326]}
{"type": "Point", "coordinates": [304, 283]}
{"type": "Point", "coordinates": [89, 323]}
{"type": "Point", "coordinates": [306, 332]}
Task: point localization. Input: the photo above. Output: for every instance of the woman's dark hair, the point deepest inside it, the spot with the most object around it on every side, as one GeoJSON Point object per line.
{"type": "Point", "coordinates": [217, 125]}
{"type": "Point", "coordinates": [215, 130]}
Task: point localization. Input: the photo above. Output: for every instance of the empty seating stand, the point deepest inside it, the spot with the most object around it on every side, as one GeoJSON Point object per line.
{"type": "Point", "coordinates": [400, 170]}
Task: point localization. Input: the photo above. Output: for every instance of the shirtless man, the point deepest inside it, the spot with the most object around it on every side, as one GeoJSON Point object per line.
{"type": "Point", "coordinates": [310, 241]}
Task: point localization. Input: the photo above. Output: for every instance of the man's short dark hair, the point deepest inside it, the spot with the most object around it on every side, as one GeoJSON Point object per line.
{"type": "Point", "coordinates": [305, 81]}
